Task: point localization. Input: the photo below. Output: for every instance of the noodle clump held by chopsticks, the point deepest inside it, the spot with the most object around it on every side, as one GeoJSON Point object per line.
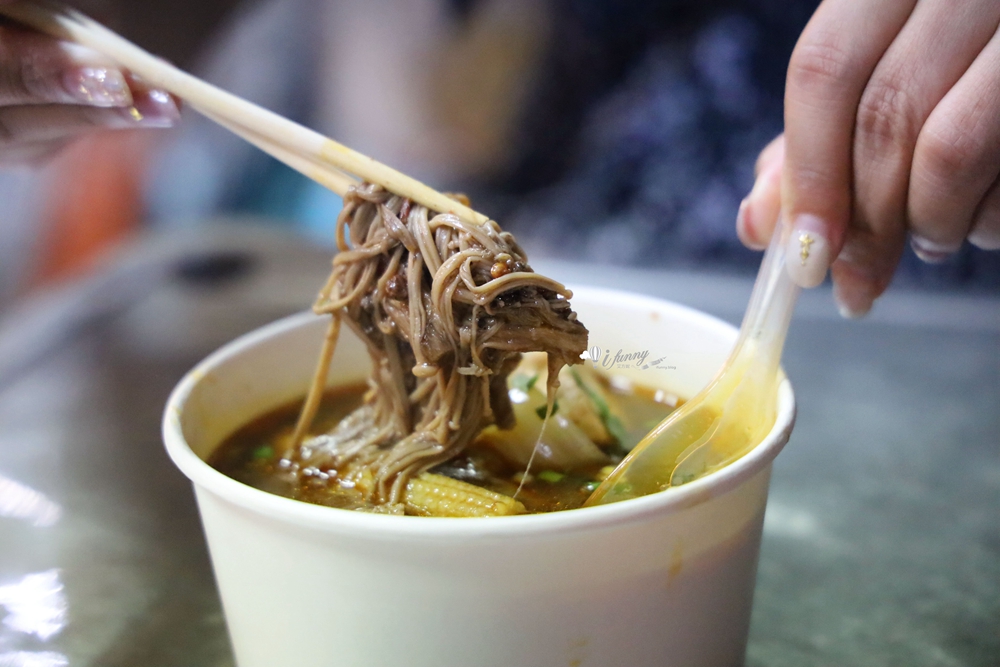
{"type": "Point", "coordinates": [445, 307]}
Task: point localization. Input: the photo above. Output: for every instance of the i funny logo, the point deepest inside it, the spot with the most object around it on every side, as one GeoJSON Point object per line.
{"type": "Point", "coordinates": [621, 359]}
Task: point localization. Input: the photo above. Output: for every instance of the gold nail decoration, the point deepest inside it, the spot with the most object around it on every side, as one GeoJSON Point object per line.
{"type": "Point", "coordinates": [135, 113]}
{"type": "Point", "coordinates": [805, 241]}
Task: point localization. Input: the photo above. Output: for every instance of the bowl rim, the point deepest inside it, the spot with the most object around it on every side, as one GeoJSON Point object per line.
{"type": "Point", "coordinates": [381, 526]}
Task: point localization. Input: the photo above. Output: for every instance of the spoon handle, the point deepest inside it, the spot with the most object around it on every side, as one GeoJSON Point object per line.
{"type": "Point", "coordinates": [772, 303]}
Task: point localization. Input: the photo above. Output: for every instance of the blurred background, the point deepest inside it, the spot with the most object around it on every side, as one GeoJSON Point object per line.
{"type": "Point", "coordinates": [616, 138]}
{"type": "Point", "coordinates": [607, 132]}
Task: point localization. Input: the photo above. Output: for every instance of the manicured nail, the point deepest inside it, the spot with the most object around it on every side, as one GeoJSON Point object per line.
{"type": "Point", "coordinates": [931, 251]}
{"type": "Point", "coordinates": [807, 251]}
{"type": "Point", "coordinates": [853, 304]}
{"type": "Point", "coordinates": [154, 108]}
{"type": "Point", "coordinates": [744, 227]}
{"type": "Point", "coordinates": [848, 313]}
{"type": "Point", "coordinates": [98, 86]}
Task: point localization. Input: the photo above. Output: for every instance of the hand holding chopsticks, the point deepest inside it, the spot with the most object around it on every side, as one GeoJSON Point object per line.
{"type": "Point", "coordinates": [322, 159]}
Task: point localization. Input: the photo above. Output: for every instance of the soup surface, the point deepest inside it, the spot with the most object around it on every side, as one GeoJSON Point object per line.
{"type": "Point", "coordinates": [595, 421]}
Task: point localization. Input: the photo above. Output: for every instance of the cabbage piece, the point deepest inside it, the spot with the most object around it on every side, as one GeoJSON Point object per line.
{"type": "Point", "coordinates": [583, 397]}
{"type": "Point", "coordinates": [564, 445]}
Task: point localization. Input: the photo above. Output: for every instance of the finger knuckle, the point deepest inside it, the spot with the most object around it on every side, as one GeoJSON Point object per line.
{"type": "Point", "coordinates": [811, 177]}
{"type": "Point", "coordinates": [33, 76]}
{"type": "Point", "coordinates": [886, 114]}
{"type": "Point", "coordinates": [819, 61]}
{"type": "Point", "coordinates": [27, 73]}
{"type": "Point", "coordinates": [11, 83]}
{"type": "Point", "coordinates": [813, 182]}
{"type": "Point", "coordinates": [16, 81]}
{"type": "Point", "coordinates": [949, 149]}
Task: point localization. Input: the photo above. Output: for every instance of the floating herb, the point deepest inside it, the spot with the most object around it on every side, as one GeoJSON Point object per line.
{"type": "Point", "coordinates": [263, 452]}
{"type": "Point", "coordinates": [611, 422]}
{"type": "Point", "coordinates": [551, 476]}
{"type": "Point", "coordinates": [523, 382]}
{"type": "Point", "coordinates": [540, 410]}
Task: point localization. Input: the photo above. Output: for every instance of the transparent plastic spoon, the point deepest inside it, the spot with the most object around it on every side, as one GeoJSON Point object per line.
{"type": "Point", "coordinates": [735, 411]}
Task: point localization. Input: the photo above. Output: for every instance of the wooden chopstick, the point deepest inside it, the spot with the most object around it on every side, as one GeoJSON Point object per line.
{"type": "Point", "coordinates": [323, 173]}
{"type": "Point", "coordinates": [296, 145]}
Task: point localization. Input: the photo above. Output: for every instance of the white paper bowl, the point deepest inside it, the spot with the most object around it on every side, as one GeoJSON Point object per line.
{"type": "Point", "coordinates": [662, 580]}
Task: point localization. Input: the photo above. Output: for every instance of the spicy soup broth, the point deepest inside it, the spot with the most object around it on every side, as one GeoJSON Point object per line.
{"type": "Point", "coordinates": [619, 412]}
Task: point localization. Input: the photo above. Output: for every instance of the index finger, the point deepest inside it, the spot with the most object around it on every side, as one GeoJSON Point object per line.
{"type": "Point", "coordinates": [38, 69]}
{"type": "Point", "coordinates": [832, 62]}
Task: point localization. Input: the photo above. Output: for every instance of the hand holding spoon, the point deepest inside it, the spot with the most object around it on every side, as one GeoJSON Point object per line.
{"type": "Point", "coordinates": [736, 410]}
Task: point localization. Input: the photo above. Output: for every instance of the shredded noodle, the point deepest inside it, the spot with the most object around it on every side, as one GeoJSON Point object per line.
{"type": "Point", "coordinates": [445, 308]}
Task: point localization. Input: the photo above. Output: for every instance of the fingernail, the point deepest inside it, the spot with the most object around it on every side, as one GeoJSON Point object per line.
{"type": "Point", "coordinates": [759, 184]}
{"type": "Point", "coordinates": [98, 86]}
{"type": "Point", "coordinates": [807, 251]}
{"type": "Point", "coordinates": [154, 108]}
{"type": "Point", "coordinates": [931, 251]}
{"type": "Point", "coordinates": [744, 227]}
{"type": "Point", "coordinates": [760, 208]}
{"type": "Point", "coordinates": [853, 304]}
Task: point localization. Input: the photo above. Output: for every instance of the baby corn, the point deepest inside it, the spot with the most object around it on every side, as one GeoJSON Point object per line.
{"type": "Point", "coordinates": [437, 495]}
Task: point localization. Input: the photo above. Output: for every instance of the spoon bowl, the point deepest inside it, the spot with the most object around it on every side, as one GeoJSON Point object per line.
{"type": "Point", "coordinates": [733, 413]}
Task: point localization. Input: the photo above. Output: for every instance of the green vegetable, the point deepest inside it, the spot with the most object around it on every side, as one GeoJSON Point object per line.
{"type": "Point", "coordinates": [540, 411]}
{"type": "Point", "coordinates": [614, 425]}
{"type": "Point", "coordinates": [616, 428]}
{"type": "Point", "coordinates": [263, 452]}
{"type": "Point", "coordinates": [550, 476]}
{"type": "Point", "coordinates": [523, 382]}
{"type": "Point", "coordinates": [688, 477]}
